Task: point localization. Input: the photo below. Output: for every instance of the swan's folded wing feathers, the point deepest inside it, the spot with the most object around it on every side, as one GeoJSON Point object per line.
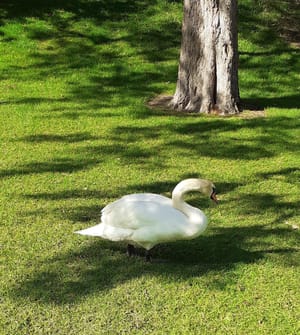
{"type": "Point", "coordinates": [137, 197]}
{"type": "Point", "coordinates": [137, 210]}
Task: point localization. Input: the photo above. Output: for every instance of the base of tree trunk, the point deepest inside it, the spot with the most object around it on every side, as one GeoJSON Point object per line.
{"type": "Point", "coordinates": [206, 107]}
{"type": "Point", "coordinates": [207, 80]}
{"type": "Point", "coordinates": [164, 103]}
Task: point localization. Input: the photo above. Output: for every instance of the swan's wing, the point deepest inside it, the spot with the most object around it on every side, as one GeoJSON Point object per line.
{"type": "Point", "coordinates": [143, 197]}
{"type": "Point", "coordinates": [131, 200]}
{"type": "Point", "coordinates": [135, 211]}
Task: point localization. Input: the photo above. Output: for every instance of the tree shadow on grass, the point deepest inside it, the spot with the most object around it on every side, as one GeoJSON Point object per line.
{"type": "Point", "coordinates": [290, 174]}
{"type": "Point", "coordinates": [213, 138]}
{"type": "Point", "coordinates": [101, 265]}
{"type": "Point", "coordinates": [66, 138]}
{"type": "Point", "coordinates": [69, 48]}
{"type": "Point", "coordinates": [74, 49]}
{"type": "Point", "coordinates": [280, 24]}
{"type": "Point", "coordinates": [100, 10]}
{"type": "Point", "coordinates": [287, 102]}
{"type": "Point", "coordinates": [59, 165]}
{"type": "Point", "coordinates": [97, 265]}
{"type": "Point", "coordinates": [219, 138]}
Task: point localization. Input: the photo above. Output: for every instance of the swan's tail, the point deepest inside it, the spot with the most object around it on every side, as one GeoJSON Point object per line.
{"type": "Point", "coordinates": [91, 231]}
{"type": "Point", "coordinates": [107, 232]}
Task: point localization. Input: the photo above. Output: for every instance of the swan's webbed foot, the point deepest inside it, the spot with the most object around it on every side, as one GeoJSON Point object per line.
{"type": "Point", "coordinates": [131, 250]}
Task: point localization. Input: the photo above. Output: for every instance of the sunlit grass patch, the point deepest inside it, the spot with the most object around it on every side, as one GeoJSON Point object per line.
{"type": "Point", "coordinates": [76, 134]}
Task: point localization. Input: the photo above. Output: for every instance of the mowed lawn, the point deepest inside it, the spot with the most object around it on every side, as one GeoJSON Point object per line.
{"type": "Point", "coordinates": [76, 134]}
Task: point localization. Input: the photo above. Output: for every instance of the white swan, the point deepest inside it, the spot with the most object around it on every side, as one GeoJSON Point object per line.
{"type": "Point", "coordinates": [147, 219]}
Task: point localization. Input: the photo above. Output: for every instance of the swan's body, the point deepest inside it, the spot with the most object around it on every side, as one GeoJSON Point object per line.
{"type": "Point", "coordinates": [148, 219]}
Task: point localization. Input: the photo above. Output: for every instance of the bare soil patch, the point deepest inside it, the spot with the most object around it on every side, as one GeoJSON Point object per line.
{"type": "Point", "coordinates": [162, 103]}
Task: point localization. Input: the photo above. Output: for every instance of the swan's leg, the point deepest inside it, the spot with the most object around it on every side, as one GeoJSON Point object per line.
{"type": "Point", "coordinates": [130, 250]}
{"type": "Point", "coordinates": [148, 256]}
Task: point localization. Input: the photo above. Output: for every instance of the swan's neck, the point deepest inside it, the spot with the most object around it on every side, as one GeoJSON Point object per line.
{"type": "Point", "coordinates": [177, 198]}
{"type": "Point", "coordinates": [194, 215]}
{"type": "Point", "coordinates": [182, 188]}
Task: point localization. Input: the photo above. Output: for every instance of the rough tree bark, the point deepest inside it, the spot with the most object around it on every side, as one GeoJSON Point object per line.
{"type": "Point", "coordinates": [208, 65]}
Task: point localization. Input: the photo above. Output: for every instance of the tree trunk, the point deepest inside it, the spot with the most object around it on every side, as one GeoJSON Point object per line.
{"type": "Point", "coordinates": [208, 65]}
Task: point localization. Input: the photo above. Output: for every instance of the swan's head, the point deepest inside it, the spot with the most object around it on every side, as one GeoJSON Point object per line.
{"type": "Point", "coordinates": [208, 188]}
{"type": "Point", "coordinates": [194, 184]}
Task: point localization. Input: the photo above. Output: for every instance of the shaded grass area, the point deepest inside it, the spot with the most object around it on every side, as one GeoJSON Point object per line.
{"type": "Point", "coordinates": [76, 134]}
{"type": "Point", "coordinates": [264, 25]}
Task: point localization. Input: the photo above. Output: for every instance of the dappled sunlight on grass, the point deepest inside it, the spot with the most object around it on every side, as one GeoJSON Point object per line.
{"type": "Point", "coordinates": [77, 134]}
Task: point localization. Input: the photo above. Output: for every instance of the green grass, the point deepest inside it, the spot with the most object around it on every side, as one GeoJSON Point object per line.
{"type": "Point", "coordinates": [76, 134]}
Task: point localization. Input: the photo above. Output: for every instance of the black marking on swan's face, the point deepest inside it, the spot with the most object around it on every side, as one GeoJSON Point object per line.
{"type": "Point", "coordinates": [213, 195]}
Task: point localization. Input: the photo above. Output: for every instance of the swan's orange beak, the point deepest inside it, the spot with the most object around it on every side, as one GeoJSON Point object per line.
{"type": "Point", "coordinates": [214, 197]}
